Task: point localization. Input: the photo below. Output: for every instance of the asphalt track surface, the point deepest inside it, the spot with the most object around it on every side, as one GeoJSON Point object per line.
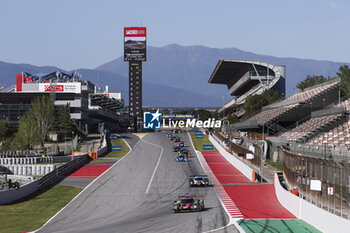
{"type": "Point", "coordinates": [136, 195]}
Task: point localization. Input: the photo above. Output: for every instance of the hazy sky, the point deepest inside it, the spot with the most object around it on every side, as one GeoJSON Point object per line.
{"type": "Point", "coordinates": [85, 34]}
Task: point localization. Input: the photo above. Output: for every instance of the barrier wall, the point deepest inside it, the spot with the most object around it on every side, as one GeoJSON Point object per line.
{"type": "Point", "coordinates": [241, 166]}
{"type": "Point", "coordinates": [12, 195]}
{"type": "Point", "coordinates": [101, 151]}
{"type": "Point", "coordinates": [319, 218]}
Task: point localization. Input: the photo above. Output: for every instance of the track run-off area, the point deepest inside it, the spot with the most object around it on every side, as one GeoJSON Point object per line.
{"type": "Point", "coordinates": [137, 192]}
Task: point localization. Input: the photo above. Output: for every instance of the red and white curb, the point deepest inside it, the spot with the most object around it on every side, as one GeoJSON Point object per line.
{"type": "Point", "coordinates": [228, 204]}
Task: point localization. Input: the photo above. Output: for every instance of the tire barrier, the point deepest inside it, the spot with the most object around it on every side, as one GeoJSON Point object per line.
{"type": "Point", "coordinates": [26, 160]}
{"type": "Point", "coordinates": [30, 170]}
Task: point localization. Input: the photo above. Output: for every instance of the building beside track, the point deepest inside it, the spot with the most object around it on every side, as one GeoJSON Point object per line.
{"type": "Point", "coordinates": [87, 106]}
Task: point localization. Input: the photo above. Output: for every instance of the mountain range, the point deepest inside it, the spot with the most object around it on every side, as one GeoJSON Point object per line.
{"type": "Point", "coordinates": [177, 76]}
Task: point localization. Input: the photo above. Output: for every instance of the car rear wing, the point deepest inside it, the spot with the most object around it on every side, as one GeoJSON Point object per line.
{"type": "Point", "coordinates": [204, 176]}
{"type": "Point", "coordinates": [189, 196]}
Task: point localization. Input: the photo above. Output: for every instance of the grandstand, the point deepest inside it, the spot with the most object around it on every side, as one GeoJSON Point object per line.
{"type": "Point", "coordinates": [244, 78]}
{"type": "Point", "coordinates": [282, 115]}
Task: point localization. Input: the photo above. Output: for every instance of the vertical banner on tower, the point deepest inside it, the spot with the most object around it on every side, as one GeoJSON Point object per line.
{"type": "Point", "coordinates": [135, 44]}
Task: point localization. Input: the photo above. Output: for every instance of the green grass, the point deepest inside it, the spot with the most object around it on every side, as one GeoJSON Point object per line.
{"type": "Point", "coordinates": [32, 212]}
{"type": "Point", "coordinates": [276, 165]}
{"type": "Point", "coordinates": [276, 225]}
{"type": "Point", "coordinates": [103, 160]}
{"type": "Point", "coordinates": [121, 153]}
{"type": "Point", "coordinates": [199, 142]}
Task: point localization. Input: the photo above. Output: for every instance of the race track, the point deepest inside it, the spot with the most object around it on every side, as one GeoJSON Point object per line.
{"type": "Point", "coordinates": [136, 195]}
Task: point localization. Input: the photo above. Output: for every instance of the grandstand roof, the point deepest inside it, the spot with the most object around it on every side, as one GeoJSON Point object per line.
{"type": "Point", "coordinates": [242, 75]}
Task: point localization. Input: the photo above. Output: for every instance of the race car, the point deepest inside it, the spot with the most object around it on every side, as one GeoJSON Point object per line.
{"type": "Point", "coordinates": [181, 158]}
{"type": "Point", "coordinates": [181, 144]}
{"type": "Point", "coordinates": [182, 150]}
{"type": "Point", "coordinates": [176, 148]}
{"type": "Point", "coordinates": [199, 181]}
{"type": "Point", "coordinates": [177, 139]}
{"type": "Point", "coordinates": [172, 138]}
{"type": "Point", "coordinates": [186, 153]}
{"type": "Point", "coordinates": [188, 203]}
{"type": "Point", "coordinates": [168, 135]}
{"type": "Point", "coordinates": [177, 130]}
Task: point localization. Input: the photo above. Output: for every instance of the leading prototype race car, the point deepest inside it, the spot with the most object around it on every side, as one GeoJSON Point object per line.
{"type": "Point", "coordinates": [188, 203]}
{"type": "Point", "coordinates": [181, 158]}
{"type": "Point", "coordinates": [199, 181]}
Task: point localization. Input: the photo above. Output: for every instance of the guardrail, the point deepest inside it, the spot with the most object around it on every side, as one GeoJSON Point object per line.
{"type": "Point", "coordinates": [59, 172]}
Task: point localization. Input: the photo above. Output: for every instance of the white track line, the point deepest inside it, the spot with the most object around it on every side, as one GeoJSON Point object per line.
{"type": "Point", "coordinates": [155, 169]}
{"type": "Point", "coordinates": [86, 187]}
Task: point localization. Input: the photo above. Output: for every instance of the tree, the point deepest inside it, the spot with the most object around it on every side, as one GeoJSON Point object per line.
{"type": "Point", "coordinates": [344, 75]}
{"type": "Point", "coordinates": [254, 103]}
{"type": "Point", "coordinates": [28, 134]}
{"type": "Point", "coordinates": [232, 119]}
{"type": "Point", "coordinates": [63, 125]}
{"type": "Point", "coordinates": [42, 113]}
{"type": "Point", "coordinates": [311, 80]}
{"type": "Point", "coordinates": [3, 129]}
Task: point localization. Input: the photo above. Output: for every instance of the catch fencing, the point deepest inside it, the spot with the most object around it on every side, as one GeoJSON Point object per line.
{"type": "Point", "coordinates": [322, 182]}
{"type": "Point", "coordinates": [242, 152]}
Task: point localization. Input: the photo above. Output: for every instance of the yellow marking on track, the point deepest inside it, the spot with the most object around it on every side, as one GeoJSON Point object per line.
{"type": "Point", "coordinates": [140, 135]}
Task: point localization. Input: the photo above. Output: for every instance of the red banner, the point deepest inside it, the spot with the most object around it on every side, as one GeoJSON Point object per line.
{"type": "Point", "coordinates": [135, 32]}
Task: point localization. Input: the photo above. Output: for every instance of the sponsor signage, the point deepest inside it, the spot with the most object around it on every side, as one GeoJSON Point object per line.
{"type": "Point", "coordinates": [330, 191]}
{"type": "Point", "coordinates": [208, 147]}
{"type": "Point", "coordinates": [199, 135]}
{"type": "Point", "coordinates": [315, 185]}
{"type": "Point", "coordinates": [250, 156]}
{"type": "Point", "coordinates": [179, 116]}
{"type": "Point", "coordinates": [152, 120]}
{"type": "Point", "coordinates": [134, 44]}
{"type": "Point", "coordinates": [113, 137]}
{"type": "Point", "coordinates": [60, 87]}
{"type": "Point", "coordinates": [116, 148]}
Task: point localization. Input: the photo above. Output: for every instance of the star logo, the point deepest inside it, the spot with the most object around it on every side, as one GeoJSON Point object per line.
{"type": "Point", "coordinates": [156, 115]}
{"type": "Point", "coordinates": [151, 120]}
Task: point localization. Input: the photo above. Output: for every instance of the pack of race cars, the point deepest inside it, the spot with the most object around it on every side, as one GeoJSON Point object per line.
{"type": "Point", "coordinates": [187, 203]}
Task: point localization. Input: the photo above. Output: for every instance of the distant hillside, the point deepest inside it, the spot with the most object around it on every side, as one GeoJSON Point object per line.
{"type": "Point", "coordinates": [155, 95]}
{"type": "Point", "coordinates": [189, 67]}
{"type": "Point", "coordinates": [177, 76]}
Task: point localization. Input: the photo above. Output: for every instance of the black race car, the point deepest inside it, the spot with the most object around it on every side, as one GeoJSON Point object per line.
{"type": "Point", "coordinates": [188, 203]}
{"type": "Point", "coordinates": [199, 181]}
{"type": "Point", "coordinates": [177, 139]}
{"type": "Point", "coordinates": [176, 148]}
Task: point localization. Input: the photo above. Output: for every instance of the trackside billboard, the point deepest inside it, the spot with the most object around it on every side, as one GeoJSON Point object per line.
{"type": "Point", "coordinates": [134, 44]}
{"type": "Point", "coordinates": [47, 87]}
